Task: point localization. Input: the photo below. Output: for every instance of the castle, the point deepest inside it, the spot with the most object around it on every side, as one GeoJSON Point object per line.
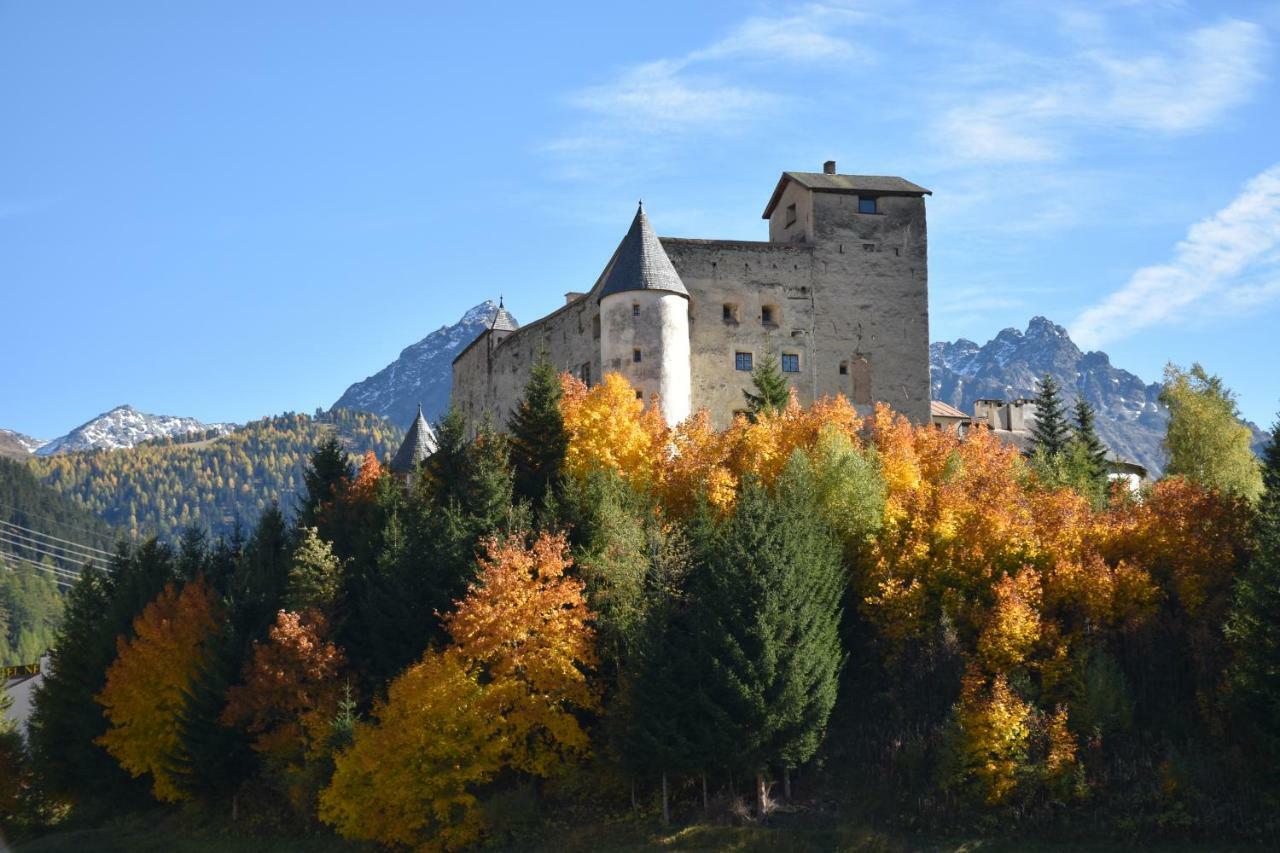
{"type": "Point", "coordinates": [838, 295]}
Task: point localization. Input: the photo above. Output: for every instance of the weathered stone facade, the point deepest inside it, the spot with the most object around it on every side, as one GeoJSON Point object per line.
{"type": "Point", "coordinates": [839, 293]}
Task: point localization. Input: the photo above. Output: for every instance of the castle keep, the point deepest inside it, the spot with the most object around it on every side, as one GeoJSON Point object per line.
{"type": "Point", "coordinates": [838, 294]}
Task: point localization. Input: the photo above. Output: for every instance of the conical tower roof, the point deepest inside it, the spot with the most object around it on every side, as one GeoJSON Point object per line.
{"type": "Point", "coordinates": [502, 319]}
{"type": "Point", "coordinates": [641, 263]}
{"type": "Point", "coordinates": [419, 443]}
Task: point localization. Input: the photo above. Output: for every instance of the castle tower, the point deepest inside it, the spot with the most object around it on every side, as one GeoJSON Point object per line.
{"type": "Point", "coordinates": [644, 321]}
{"type": "Point", "coordinates": [419, 443]}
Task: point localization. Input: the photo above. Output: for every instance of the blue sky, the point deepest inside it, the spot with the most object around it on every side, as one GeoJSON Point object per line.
{"type": "Point", "coordinates": [227, 210]}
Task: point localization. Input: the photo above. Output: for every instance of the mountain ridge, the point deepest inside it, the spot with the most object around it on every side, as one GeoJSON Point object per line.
{"type": "Point", "coordinates": [123, 427]}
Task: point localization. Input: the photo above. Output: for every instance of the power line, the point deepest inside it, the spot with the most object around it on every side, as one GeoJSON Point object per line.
{"type": "Point", "coordinates": [97, 534]}
{"type": "Point", "coordinates": [89, 548]}
{"type": "Point", "coordinates": [53, 549]}
{"type": "Point", "coordinates": [6, 539]}
{"type": "Point", "coordinates": [62, 576]}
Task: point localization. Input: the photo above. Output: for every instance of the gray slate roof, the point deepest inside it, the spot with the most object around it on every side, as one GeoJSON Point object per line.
{"type": "Point", "coordinates": [419, 443]}
{"type": "Point", "coordinates": [850, 184]}
{"type": "Point", "coordinates": [641, 263]}
{"type": "Point", "coordinates": [502, 319]}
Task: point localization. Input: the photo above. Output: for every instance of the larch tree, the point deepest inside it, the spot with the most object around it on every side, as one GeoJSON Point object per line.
{"type": "Point", "coordinates": [315, 575]}
{"type": "Point", "coordinates": [1205, 440]}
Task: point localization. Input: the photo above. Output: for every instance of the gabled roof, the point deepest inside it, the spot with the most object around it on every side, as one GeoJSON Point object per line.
{"type": "Point", "coordinates": [939, 409]}
{"type": "Point", "coordinates": [502, 319]}
{"type": "Point", "coordinates": [821, 182]}
{"type": "Point", "coordinates": [419, 443]}
{"type": "Point", "coordinates": [641, 263]}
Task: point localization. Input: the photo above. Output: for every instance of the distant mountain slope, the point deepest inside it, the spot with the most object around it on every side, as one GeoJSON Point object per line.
{"type": "Point", "coordinates": [165, 484]}
{"type": "Point", "coordinates": [422, 374]}
{"type": "Point", "coordinates": [125, 426]}
{"type": "Point", "coordinates": [15, 445]}
{"type": "Point", "coordinates": [1131, 419]}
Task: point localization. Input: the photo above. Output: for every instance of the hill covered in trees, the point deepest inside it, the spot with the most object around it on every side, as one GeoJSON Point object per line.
{"type": "Point", "coordinates": [208, 479]}
{"type": "Point", "coordinates": [596, 617]}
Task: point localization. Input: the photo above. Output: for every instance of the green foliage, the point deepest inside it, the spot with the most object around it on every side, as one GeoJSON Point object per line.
{"type": "Point", "coordinates": [538, 437]}
{"type": "Point", "coordinates": [772, 391]}
{"type": "Point", "coordinates": [850, 492]}
{"type": "Point", "coordinates": [1206, 442]}
{"type": "Point", "coordinates": [1074, 467]}
{"type": "Point", "coordinates": [163, 486]}
{"type": "Point", "coordinates": [30, 610]}
{"type": "Point", "coordinates": [766, 605]}
{"type": "Point", "coordinates": [1050, 432]}
{"type": "Point", "coordinates": [1254, 624]}
{"type": "Point", "coordinates": [328, 472]}
{"type": "Point", "coordinates": [1086, 435]}
{"type": "Point", "coordinates": [315, 575]}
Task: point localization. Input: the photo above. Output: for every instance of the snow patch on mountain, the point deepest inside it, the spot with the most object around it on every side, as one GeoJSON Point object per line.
{"type": "Point", "coordinates": [125, 426]}
{"type": "Point", "coordinates": [26, 442]}
{"type": "Point", "coordinates": [422, 374]}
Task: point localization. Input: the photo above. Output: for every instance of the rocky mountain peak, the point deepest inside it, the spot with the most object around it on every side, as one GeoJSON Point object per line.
{"type": "Point", "coordinates": [422, 374]}
{"type": "Point", "coordinates": [125, 426]}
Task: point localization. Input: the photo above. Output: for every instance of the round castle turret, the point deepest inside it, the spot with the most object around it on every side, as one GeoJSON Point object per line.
{"type": "Point", "coordinates": [644, 321]}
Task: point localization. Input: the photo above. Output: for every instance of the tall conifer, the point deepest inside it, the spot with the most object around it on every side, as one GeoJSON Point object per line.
{"type": "Point", "coordinates": [538, 437]}
{"type": "Point", "coordinates": [1050, 432]}
{"type": "Point", "coordinates": [772, 391]}
{"type": "Point", "coordinates": [1086, 435]}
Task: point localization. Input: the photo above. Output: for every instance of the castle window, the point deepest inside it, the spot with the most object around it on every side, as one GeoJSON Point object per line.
{"type": "Point", "coordinates": [595, 327]}
{"type": "Point", "coordinates": [730, 312]}
{"type": "Point", "coordinates": [844, 368]}
{"type": "Point", "coordinates": [635, 309]}
{"type": "Point", "coordinates": [635, 356]}
{"type": "Point", "coordinates": [639, 395]}
{"type": "Point", "coordinates": [791, 215]}
{"type": "Point", "coordinates": [584, 373]}
{"type": "Point", "coordinates": [790, 363]}
{"type": "Point", "coordinates": [742, 360]}
{"type": "Point", "coordinates": [866, 205]}
{"type": "Point", "coordinates": [766, 315]}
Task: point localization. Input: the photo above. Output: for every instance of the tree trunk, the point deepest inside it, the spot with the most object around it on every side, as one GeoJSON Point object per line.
{"type": "Point", "coordinates": [634, 805]}
{"type": "Point", "coordinates": [786, 783]}
{"type": "Point", "coordinates": [760, 796]}
{"type": "Point", "coordinates": [705, 799]}
{"type": "Point", "coordinates": [666, 808]}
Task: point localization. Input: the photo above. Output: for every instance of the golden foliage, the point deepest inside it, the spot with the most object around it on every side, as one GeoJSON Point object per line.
{"type": "Point", "coordinates": [143, 695]}
{"type": "Point", "coordinates": [503, 695]}
{"type": "Point", "coordinates": [994, 731]}
{"type": "Point", "coordinates": [610, 429]}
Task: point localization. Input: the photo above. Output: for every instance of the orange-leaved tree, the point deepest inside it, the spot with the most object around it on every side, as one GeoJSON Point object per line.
{"type": "Point", "coordinates": [145, 690]}
{"type": "Point", "coordinates": [291, 689]}
{"type": "Point", "coordinates": [503, 695]}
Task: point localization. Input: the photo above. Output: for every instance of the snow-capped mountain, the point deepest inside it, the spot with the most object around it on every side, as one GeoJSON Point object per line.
{"type": "Point", "coordinates": [422, 374]}
{"type": "Point", "coordinates": [125, 426]}
{"type": "Point", "coordinates": [1131, 419]}
{"type": "Point", "coordinates": [15, 445]}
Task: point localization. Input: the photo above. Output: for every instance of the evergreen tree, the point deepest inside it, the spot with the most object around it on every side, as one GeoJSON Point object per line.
{"type": "Point", "coordinates": [258, 587]}
{"type": "Point", "coordinates": [446, 468]}
{"type": "Point", "coordinates": [538, 437]}
{"type": "Point", "coordinates": [1086, 435]}
{"type": "Point", "coordinates": [1206, 442]}
{"type": "Point", "coordinates": [327, 472]}
{"type": "Point", "coordinates": [766, 602]}
{"type": "Point", "coordinates": [1050, 432]}
{"type": "Point", "coordinates": [1254, 624]}
{"type": "Point", "coordinates": [772, 391]}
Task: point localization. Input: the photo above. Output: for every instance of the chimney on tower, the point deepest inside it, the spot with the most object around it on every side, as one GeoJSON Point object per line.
{"type": "Point", "coordinates": [829, 167]}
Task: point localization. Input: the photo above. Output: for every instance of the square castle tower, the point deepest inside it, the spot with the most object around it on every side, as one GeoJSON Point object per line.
{"type": "Point", "coordinates": [838, 295]}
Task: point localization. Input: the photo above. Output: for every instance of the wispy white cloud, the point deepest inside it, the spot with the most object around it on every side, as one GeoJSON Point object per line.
{"type": "Point", "coordinates": [1198, 78]}
{"type": "Point", "coordinates": [1230, 261]}
{"type": "Point", "coordinates": [707, 89]}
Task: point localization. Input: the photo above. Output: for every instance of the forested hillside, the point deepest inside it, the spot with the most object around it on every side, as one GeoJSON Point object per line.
{"type": "Point", "coordinates": [211, 481]}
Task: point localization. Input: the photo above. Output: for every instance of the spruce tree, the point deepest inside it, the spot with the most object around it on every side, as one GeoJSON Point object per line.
{"type": "Point", "coordinates": [258, 587]}
{"type": "Point", "coordinates": [212, 759]}
{"type": "Point", "coordinates": [538, 437]}
{"type": "Point", "coordinates": [446, 468]}
{"type": "Point", "coordinates": [1050, 432]}
{"type": "Point", "coordinates": [766, 611]}
{"type": "Point", "coordinates": [1091, 446]}
{"type": "Point", "coordinates": [1254, 624]}
{"type": "Point", "coordinates": [327, 471]}
{"type": "Point", "coordinates": [772, 391]}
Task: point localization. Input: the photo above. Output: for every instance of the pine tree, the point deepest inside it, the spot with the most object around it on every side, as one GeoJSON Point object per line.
{"type": "Point", "coordinates": [772, 391]}
{"type": "Point", "coordinates": [1050, 432]}
{"type": "Point", "coordinates": [766, 611]}
{"type": "Point", "coordinates": [1254, 625]}
{"type": "Point", "coordinates": [538, 437]}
